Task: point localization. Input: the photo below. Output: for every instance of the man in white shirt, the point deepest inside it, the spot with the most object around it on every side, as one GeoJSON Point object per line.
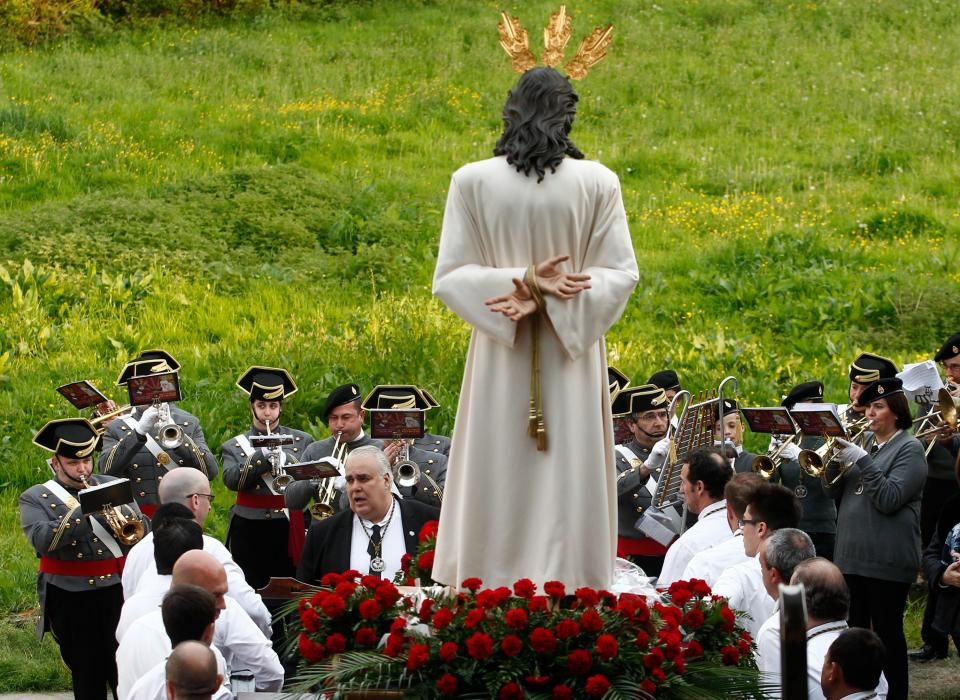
{"type": "Point", "coordinates": [188, 614]}
{"type": "Point", "coordinates": [188, 488]}
{"type": "Point", "coordinates": [779, 556]}
{"type": "Point", "coordinates": [853, 666]}
{"type": "Point", "coordinates": [828, 603]}
{"type": "Point", "coordinates": [702, 480]}
{"type": "Point", "coordinates": [709, 564]}
{"type": "Point", "coordinates": [772, 507]}
{"type": "Point", "coordinates": [242, 644]}
{"type": "Point", "coordinates": [191, 672]}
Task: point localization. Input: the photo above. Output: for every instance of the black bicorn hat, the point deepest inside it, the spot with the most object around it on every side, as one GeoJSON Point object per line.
{"type": "Point", "coordinates": [70, 437]}
{"type": "Point", "coordinates": [880, 389]}
{"type": "Point", "coordinates": [267, 383]}
{"type": "Point", "coordinates": [806, 392]}
{"type": "Point", "coordinates": [345, 393]}
{"type": "Point", "coordinates": [617, 381]}
{"type": "Point", "coordinates": [868, 368]}
{"type": "Point", "coordinates": [949, 349]}
{"type": "Point", "coordinates": [666, 379]}
{"type": "Point", "coordinates": [729, 406]}
{"type": "Point", "coordinates": [429, 397]}
{"type": "Point", "coordinates": [637, 399]}
{"type": "Point", "coordinates": [406, 397]}
{"type": "Point", "coordinates": [146, 363]}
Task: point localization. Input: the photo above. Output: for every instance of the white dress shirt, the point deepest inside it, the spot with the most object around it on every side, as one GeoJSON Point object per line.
{"type": "Point", "coordinates": [240, 641]}
{"type": "Point", "coordinates": [710, 529]}
{"type": "Point", "coordinates": [393, 545]}
{"type": "Point", "coordinates": [768, 646]}
{"type": "Point", "coordinates": [742, 585]}
{"type": "Point", "coordinates": [148, 598]}
{"type": "Point", "coordinates": [140, 566]}
{"type": "Point", "coordinates": [710, 563]}
{"type": "Point", "coordinates": [819, 639]}
{"type": "Point", "coordinates": [153, 685]}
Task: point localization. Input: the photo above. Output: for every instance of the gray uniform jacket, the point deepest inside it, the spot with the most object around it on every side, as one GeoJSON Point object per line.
{"type": "Point", "coordinates": [299, 493]}
{"type": "Point", "coordinates": [125, 453]}
{"type": "Point", "coordinates": [57, 532]}
{"type": "Point", "coordinates": [819, 510]}
{"type": "Point", "coordinates": [878, 529]}
{"type": "Point", "coordinates": [433, 443]}
{"type": "Point", "coordinates": [242, 472]}
{"type": "Point", "coordinates": [633, 498]}
{"type": "Point", "coordinates": [433, 465]}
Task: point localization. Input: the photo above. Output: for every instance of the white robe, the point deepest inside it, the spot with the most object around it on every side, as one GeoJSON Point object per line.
{"type": "Point", "coordinates": [510, 511]}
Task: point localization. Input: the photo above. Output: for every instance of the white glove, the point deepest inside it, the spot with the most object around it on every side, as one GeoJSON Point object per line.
{"type": "Point", "coordinates": [340, 483]}
{"type": "Point", "coordinates": [850, 452]}
{"type": "Point", "coordinates": [658, 453]}
{"type": "Point", "coordinates": [148, 420]}
{"type": "Point", "coordinates": [790, 452]}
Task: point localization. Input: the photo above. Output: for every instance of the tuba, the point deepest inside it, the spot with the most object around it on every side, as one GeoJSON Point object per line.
{"type": "Point", "coordinates": [128, 531]}
{"type": "Point", "coordinates": [171, 434]}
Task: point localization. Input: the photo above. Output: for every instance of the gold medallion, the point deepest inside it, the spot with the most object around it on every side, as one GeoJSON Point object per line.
{"type": "Point", "coordinates": [163, 458]}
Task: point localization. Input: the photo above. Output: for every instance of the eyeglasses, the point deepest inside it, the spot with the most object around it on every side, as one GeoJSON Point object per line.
{"type": "Point", "coordinates": [205, 495]}
{"type": "Point", "coordinates": [743, 521]}
{"type": "Point", "coordinates": [653, 415]}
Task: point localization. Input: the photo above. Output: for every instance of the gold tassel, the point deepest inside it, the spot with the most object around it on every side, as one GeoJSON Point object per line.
{"type": "Point", "coordinates": [536, 427]}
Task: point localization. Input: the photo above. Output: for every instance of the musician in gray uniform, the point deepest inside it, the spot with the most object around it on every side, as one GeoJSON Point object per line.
{"type": "Point", "coordinates": [426, 484]}
{"type": "Point", "coordinates": [131, 444]}
{"type": "Point", "coordinates": [81, 558]}
{"type": "Point", "coordinates": [865, 370]}
{"type": "Point", "coordinates": [645, 410]}
{"type": "Point", "coordinates": [731, 425]}
{"type": "Point", "coordinates": [263, 539]}
{"type": "Point", "coordinates": [344, 417]}
{"type": "Point", "coordinates": [431, 442]}
{"type": "Point", "coordinates": [667, 380]}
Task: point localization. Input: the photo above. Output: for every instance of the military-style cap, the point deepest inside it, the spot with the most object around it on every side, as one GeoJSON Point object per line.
{"type": "Point", "coordinates": [405, 397]}
{"type": "Point", "coordinates": [70, 437]}
{"type": "Point", "coordinates": [267, 383]}
{"type": "Point", "coordinates": [951, 348]}
{"type": "Point", "coordinates": [666, 379]}
{"type": "Point", "coordinates": [729, 406]}
{"type": "Point", "coordinates": [880, 389]}
{"type": "Point", "coordinates": [868, 368]}
{"type": "Point", "coordinates": [345, 393]}
{"type": "Point", "coordinates": [430, 400]}
{"type": "Point", "coordinates": [146, 363]}
{"type": "Point", "coordinates": [637, 399]}
{"type": "Point", "coordinates": [617, 381]}
{"type": "Point", "coordinates": [807, 392]}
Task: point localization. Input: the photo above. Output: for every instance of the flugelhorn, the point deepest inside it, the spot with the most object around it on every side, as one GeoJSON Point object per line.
{"type": "Point", "coordinates": [171, 434]}
{"type": "Point", "coordinates": [406, 471]}
{"type": "Point", "coordinates": [128, 531]}
{"type": "Point", "coordinates": [768, 465]}
{"type": "Point", "coordinates": [274, 443]}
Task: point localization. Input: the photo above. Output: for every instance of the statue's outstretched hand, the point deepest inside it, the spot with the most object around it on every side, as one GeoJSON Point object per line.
{"type": "Point", "coordinates": [563, 285]}
{"type": "Point", "coordinates": [516, 305]}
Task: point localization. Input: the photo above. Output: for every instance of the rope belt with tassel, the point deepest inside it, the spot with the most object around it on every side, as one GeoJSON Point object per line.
{"type": "Point", "coordinates": [535, 425]}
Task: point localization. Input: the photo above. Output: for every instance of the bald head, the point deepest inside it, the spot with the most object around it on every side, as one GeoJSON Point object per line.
{"type": "Point", "coordinates": [188, 487]}
{"type": "Point", "coordinates": [825, 590]}
{"type": "Point", "coordinates": [192, 672]}
{"type": "Point", "coordinates": [202, 569]}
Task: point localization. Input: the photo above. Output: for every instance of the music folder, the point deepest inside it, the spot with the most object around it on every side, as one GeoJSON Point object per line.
{"type": "Point", "coordinates": [818, 419]}
{"type": "Point", "coordinates": [81, 394]}
{"type": "Point", "coordinates": [322, 468]}
{"type": "Point", "coordinates": [772, 419]}
{"type": "Point", "coordinates": [113, 493]}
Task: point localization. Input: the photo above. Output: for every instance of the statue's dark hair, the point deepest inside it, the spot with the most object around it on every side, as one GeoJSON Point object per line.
{"type": "Point", "coordinates": [537, 118]}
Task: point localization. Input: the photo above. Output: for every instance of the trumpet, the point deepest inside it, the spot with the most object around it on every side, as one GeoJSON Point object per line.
{"type": "Point", "coordinates": [274, 444]}
{"type": "Point", "coordinates": [768, 465]}
{"type": "Point", "coordinates": [128, 531]}
{"type": "Point", "coordinates": [171, 434]}
{"type": "Point", "coordinates": [104, 418]}
{"type": "Point", "coordinates": [406, 472]}
{"type": "Point", "coordinates": [327, 490]}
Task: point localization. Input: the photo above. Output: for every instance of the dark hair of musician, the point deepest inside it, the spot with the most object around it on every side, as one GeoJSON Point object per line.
{"type": "Point", "coordinates": [775, 505]}
{"type": "Point", "coordinates": [825, 590]}
{"type": "Point", "coordinates": [739, 491]}
{"type": "Point", "coordinates": [786, 548]}
{"type": "Point", "coordinates": [900, 407]}
{"type": "Point", "coordinates": [167, 512]}
{"type": "Point", "coordinates": [861, 655]}
{"type": "Point", "coordinates": [709, 466]}
{"type": "Point", "coordinates": [173, 539]}
{"type": "Point", "coordinates": [187, 611]}
{"type": "Point", "coordinates": [537, 119]}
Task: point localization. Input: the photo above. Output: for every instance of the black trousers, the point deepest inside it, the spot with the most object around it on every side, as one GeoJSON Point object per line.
{"type": "Point", "coordinates": [877, 604]}
{"type": "Point", "coordinates": [260, 548]}
{"type": "Point", "coordinates": [85, 624]}
{"type": "Point", "coordinates": [824, 543]}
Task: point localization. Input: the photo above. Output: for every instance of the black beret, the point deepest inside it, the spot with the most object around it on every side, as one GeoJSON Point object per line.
{"type": "Point", "coordinates": [729, 406]}
{"type": "Point", "coordinates": [665, 379]}
{"type": "Point", "coordinates": [807, 392]}
{"type": "Point", "coordinates": [339, 396]}
{"type": "Point", "coordinates": [880, 389]}
{"type": "Point", "coordinates": [869, 368]}
{"type": "Point", "coordinates": [951, 348]}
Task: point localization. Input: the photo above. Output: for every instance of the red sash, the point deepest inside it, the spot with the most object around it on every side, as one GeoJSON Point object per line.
{"type": "Point", "coordinates": [296, 536]}
{"type": "Point", "coordinates": [644, 547]}
{"type": "Point", "coordinates": [97, 567]}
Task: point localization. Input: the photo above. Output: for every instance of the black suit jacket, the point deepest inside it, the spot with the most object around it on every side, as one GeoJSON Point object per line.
{"type": "Point", "coordinates": [327, 549]}
{"type": "Point", "coordinates": [946, 601]}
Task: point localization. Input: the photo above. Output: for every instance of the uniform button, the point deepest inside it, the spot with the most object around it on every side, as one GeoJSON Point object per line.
{"type": "Point", "coordinates": [95, 539]}
{"type": "Point", "coordinates": [259, 462]}
{"type": "Point", "coordinates": [103, 578]}
{"type": "Point", "coordinates": [138, 480]}
{"type": "Point", "coordinates": [426, 471]}
{"type": "Point", "coordinates": [44, 495]}
{"type": "Point", "coordinates": [73, 544]}
{"type": "Point", "coordinates": [269, 515]}
{"type": "Point", "coordinates": [77, 521]}
{"type": "Point", "coordinates": [181, 461]}
{"type": "Point", "coordinates": [79, 555]}
{"type": "Point", "coordinates": [639, 509]}
{"type": "Point", "coordinates": [429, 461]}
{"type": "Point", "coordinates": [99, 551]}
{"type": "Point", "coordinates": [295, 449]}
{"type": "Point", "coordinates": [159, 477]}
{"type": "Point", "coordinates": [109, 575]}
{"type": "Point", "coordinates": [53, 505]}
{"type": "Point", "coordinates": [297, 438]}
{"type": "Point", "coordinates": [91, 582]}
{"type": "Point", "coordinates": [142, 494]}
{"type": "Point", "coordinates": [136, 466]}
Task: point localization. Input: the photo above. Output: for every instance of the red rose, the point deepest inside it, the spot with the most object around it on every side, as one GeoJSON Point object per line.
{"type": "Point", "coordinates": [537, 681]}
{"type": "Point", "coordinates": [399, 624]}
{"type": "Point", "coordinates": [345, 589]}
{"type": "Point", "coordinates": [566, 629]}
{"type": "Point", "coordinates": [331, 580]}
{"type": "Point", "coordinates": [643, 639]}
{"type": "Point", "coordinates": [729, 618]}
{"type": "Point", "coordinates": [681, 597]}
{"type": "Point", "coordinates": [642, 613]}
{"type": "Point", "coordinates": [386, 594]}
{"type": "Point", "coordinates": [333, 606]}
{"type": "Point", "coordinates": [608, 599]}
{"type": "Point", "coordinates": [448, 651]}
{"type": "Point", "coordinates": [395, 643]}
{"type": "Point", "coordinates": [405, 562]}
{"type": "Point", "coordinates": [654, 659]}
{"type": "Point", "coordinates": [587, 596]}
{"type": "Point", "coordinates": [487, 599]}
{"type": "Point", "coordinates": [730, 655]}
{"type": "Point", "coordinates": [447, 684]}
{"type": "Point", "coordinates": [479, 646]}
{"type": "Point", "coordinates": [336, 643]}
{"type": "Point", "coordinates": [693, 649]}
{"type": "Point", "coordinates": [591, 621]}
{"type": "Point", "coordinates": [554, 589]}
{"type": "Point", "coordinates": [370, 581]}
{"type": "Point", "coordinates": [607, 646]}
{"type": "Point", "coordinates": [471, 584]}
{"type": "Point", "coordinates": [744, 646]}
{"type": "Point", "coordinates": [310, 619]}
{"type": "Point", "coordinates": [543, 640]}
{"type": "Point", "coordinates": [524, 588]}
{"type": "Point", "coordinates": [700, 587]}
{"type": "Point", "coordinates": [648, 686]}
{"type": "Point", "coordinates": [365, 636]}
{"type": "Point", "coordinates": [694, 619]}
{"type": "Point", "coordinates": [442, 618]}
{"type": "Point", "coordinates": [562, 692]}
{"type": "Point", "coordinates": [368, 609]}
{"type": "Point", "coordinates": [417, 656]}
{"type": "Point", "coordinates": [658, 675]}
{"type": "Point", "coordinates": [350, 575]}
{"type": "Point", "coordinates": [425, 607]}
{"type": "Point", "coordinates": [428, 531]}
{"type": "Point", "coordinates": [679, 665]}
{"type": "Point", "coordinates": [597, 686]}
{"type": "Point", "coordinates": [309, 649]}
{"type": "Point", "coordinates": [516, 618]}
{"type": "Point", "coordinates": [501, 594]}
{"type": "Point", "coordinates": [511, 645]}
{"type": "Point", "coordinates": [579, 662]}
{"type": "Point", "coordinates": [669, 613]}
{"type": "Point", "coordinates": [511, 691]}
{"type": "Point", "coordinates": [537, 603]}
{"type": "Point", "coordinates": [669, 637]}
{"type": "Point", "coordinates": [474, 618]}
{"type": "Point", "coordinates": [425, 561]}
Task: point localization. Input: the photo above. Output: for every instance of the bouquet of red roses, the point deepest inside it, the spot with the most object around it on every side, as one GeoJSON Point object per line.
{"type": "Point", "coordinates": [420, 567]}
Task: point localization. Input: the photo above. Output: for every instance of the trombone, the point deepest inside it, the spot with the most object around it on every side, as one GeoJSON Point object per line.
{"type": "Point", "coordinates": [944, 416]}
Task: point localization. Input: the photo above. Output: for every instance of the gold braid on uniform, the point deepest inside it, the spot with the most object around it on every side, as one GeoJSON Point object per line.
{"type": "Point", "coordinates": [535, 425]}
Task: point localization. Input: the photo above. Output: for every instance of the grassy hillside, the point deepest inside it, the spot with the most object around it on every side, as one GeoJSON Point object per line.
{"type": "Point", "coordinates": [269, 190]}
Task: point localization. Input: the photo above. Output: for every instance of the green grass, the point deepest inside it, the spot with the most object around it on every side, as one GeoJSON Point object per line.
{"type": "Point", "coordinates": [270, 189]}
